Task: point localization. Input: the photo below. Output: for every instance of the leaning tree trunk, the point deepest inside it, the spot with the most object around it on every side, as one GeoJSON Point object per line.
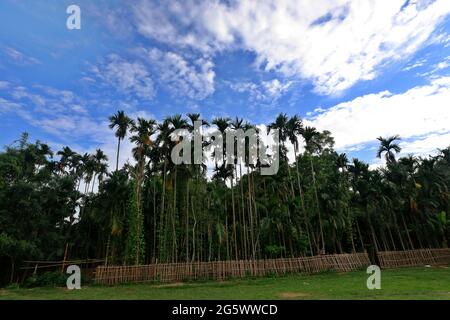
{"type": "Point", "coordinates": [313, 173]}
{"type": "Point", "coordinates": [302, 202]}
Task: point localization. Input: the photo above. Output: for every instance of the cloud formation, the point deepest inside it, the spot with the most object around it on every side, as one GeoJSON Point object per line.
{"type": "Point", "coordinates": [191, 78]}
{"type": "Point", "coordinates": [126, 77]}
{"type": "Point", "coordinates": [269, 90]}
{"type": "Point", "coordinates": [420, 113]}
{"type": "Point", "coordinates": [18, 57]}
{"type": "Point", "coordinates": [333, 43]}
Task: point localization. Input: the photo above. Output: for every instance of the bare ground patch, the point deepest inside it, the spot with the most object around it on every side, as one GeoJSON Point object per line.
{"type": "Point", "coordinates": [294, 295]}
{"type": "Point", "coordinates": [171, 285]}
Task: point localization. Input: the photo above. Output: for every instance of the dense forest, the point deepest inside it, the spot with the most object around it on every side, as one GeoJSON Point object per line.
{"type": "Point", "coordinates": [151, 210]}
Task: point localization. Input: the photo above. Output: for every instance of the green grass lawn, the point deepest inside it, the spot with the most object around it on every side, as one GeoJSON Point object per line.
{"type": "Point", "coordinates": [414, 283]}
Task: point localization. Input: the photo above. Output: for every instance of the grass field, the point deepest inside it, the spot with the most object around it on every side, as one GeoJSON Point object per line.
{"type": "Point", "coordinates": [416, 283]}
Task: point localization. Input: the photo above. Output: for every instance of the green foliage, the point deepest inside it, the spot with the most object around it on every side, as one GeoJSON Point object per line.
{"type": "Point", "coordinates": [46, 279]}
{"type": "Point", "coordinates": [442, 217]}
{"type": "Point", "coordinates": [155, 211]}
{"type": "Point", "coordinates": [273, 250]}
{"type": "Point", "coordinates": [135, 248]}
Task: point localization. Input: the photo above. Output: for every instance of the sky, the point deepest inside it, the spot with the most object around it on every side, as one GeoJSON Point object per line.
{"type": "Point", "coordinates": [360, 69]}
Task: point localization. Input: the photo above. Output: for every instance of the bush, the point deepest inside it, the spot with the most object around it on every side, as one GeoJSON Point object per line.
{"type": "Point", "coordinates": [47, 279]}
{"type": "Point", "coordinates": [12, 286]}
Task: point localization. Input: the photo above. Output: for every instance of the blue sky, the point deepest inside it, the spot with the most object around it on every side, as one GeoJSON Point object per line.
{"type": "Point", "coordinates": [360, 69]}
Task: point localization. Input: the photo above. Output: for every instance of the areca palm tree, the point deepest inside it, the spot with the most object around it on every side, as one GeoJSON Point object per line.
{"type": "Point", "coordinates": [177, 123]}
{"type": "Point", "coordinates": [163, 142]}
{"type": "Point", "coordinates": [222, 125]}
{"type": "Point", "coordinates": [66, 155]}
{"type": "Point", "coordinates": [311, 137]}
{"type": "Point", "coordinates": [225, 171]}
{"type": "Point", "coordinates": [142, 132]}
{"type": "Point", "coordinates": [342, 165]}
{"type": "Point", "coordinates": [89, 165]}
{"type": "Point", "coordinates": [388, 146]}
{"type": "Point", "coordinates": [294, 129]}
{"type": "Point", "coordinates": [99, 159]}
{"type": "Point", "coordinates": [121, 122]}
{"type": "Point", "coordinates": [238, 124]}
{"type": "Point", "coordinates": [193, 117]}
{"type": "Point", "coordinates": [194, 171]}
{"type": "Point", "coordinates": [281, 124]}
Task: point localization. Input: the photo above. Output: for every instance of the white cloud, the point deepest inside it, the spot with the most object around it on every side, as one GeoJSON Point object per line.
{"type": "Point", "coordinates": [170, 21]}
{"type": "Point", "coordinates": [275, 88]}
{"type": "Point", "coordinates": [426, 145]}
{"type": "Point", "coordinates": [46, 100]}
{"type": "Point", "coordinates": [88, 129]}
{"type": "Point", "coordinates": [333, 43]}
{"type": "Point", "coordinates": [4, 85]}
{"type": "Point", "coordinates": [421, 112]}
{"type": "Point", "coordinates": [19, 58]}
{"type": "Point", "coordinates": [63, 115]}
{"type": "Point", "coordinates": [64, 96]}
{"type": "Point", "coordinates": [9, 106]}
{"type": "Point", "coordinates": [436, 69]}
{"type": "Point", "coordinates": [416, 64]}
{"type": "Point", "coordinates": [265, 91]}
{"type": "Point", "coordinates": [194, 79]}
{"type": "Point", "coordinates": [21, 93]}
{"type": "Point", "coordinates": [128, 78]}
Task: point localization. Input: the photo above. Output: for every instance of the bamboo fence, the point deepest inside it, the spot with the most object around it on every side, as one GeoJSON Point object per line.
{"type": "Point", "coordinates": [414, 258]}
{"type": "Point", "coordinates": [220, 270]}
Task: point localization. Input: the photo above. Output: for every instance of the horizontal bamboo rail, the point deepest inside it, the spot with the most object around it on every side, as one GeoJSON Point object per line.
{"type": "Point", "coordinates": [414, 258]}
{"type": "Point", "coordinates": [52, 264]}
{"type": "Point", "coordinates": [219, 270]}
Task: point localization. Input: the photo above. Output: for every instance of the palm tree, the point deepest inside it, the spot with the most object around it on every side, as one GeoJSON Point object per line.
{"type": "Point", "coordinates": [177, 123]}
{"type": "Point", "coordinates": [222, 125]}
{"type": "Point", "coordinates": [238, 124]}
{"type": "Point", "coordinates": [281, 123]}
{"type": "Point", "coordinates": [194, 171]}
{"type": "Point", "coordinates": [225, 171]}
{"type": "Point", "coordinates": [342, 165]}
{"type": "Point", "coordinates": [122, 123]}
{"type": "Point", "coordinates": [88, 170]}
{"type": "Point", "coordinates": [295, 129]}
{"type": "Point", "coordinates": [99, 159]}
{"type": "Point", "coordinates": [388, 146]}
{"type": "Point", "coordinates": [143, 130]}
{"type": "Point", "coordinates": [163, 142]}
{"type": "Point", "coordinates": [66, 155]}
{"type": "Point", "coordinates": [311, 137]}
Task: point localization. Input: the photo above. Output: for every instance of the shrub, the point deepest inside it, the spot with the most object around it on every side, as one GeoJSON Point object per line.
{"type": "Point", "coordinates": [46, 279]}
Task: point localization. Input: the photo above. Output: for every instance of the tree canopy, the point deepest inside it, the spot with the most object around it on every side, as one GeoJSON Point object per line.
{"type": "Point", "coordinates": [152, 210]}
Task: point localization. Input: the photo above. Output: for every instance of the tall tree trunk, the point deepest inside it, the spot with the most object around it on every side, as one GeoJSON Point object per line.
{"type": "Point", "coordinates": [392, 239]}
{"type": "Point", "coordinates": [360, 236]}
{"type": "Point", "coordinates": [118, 151]}
{"type": "Point", "coordinates": [250, 212]}
{"type": "Point", "coordinates": [187, 220]}
{"type": "Point", "coordinates": [234, 220]}
{"type": "Point", "coordinates": [317, 204]}
{"type": "Point", "coordinates": [407, 232]}
{"type": "Point", "coordinates": [174, 217]}
{"type": "Point", "coordinates": [11, 278]}
{"type": "Point", "coordinates": [154, 219]}
{"type": "Point", "coordinates": [93, 183]}
{"type": "Point", "coordinates": [302, 203]}
{"type": "Point", "coordinates": [193, 229]}
{"type": "Point", "coordinates": [162, 245]}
